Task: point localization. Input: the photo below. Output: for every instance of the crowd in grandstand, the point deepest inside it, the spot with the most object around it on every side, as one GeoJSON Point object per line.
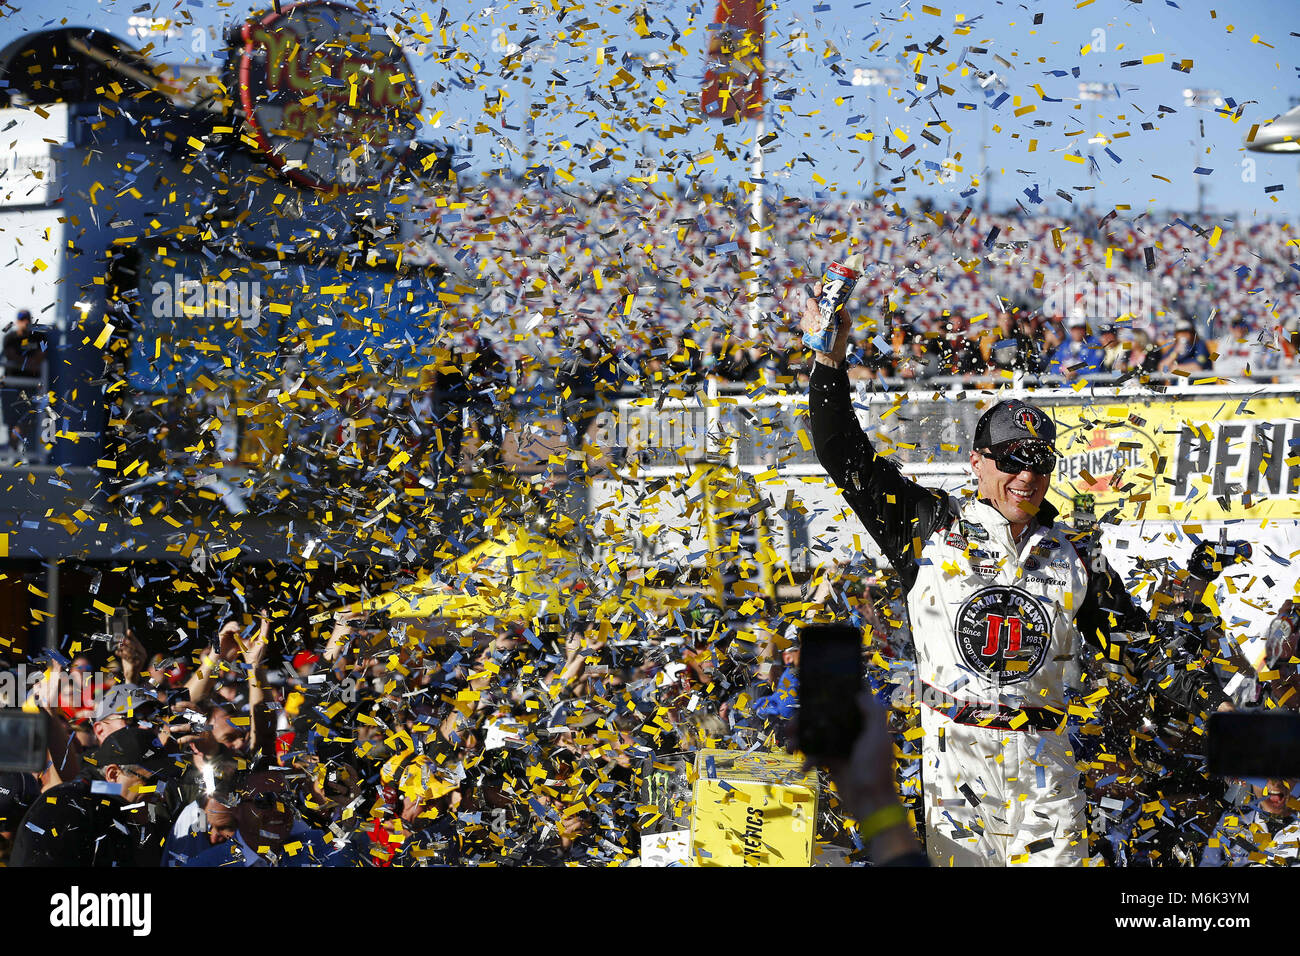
{"type": "Point", "coordinates": [662, 282]}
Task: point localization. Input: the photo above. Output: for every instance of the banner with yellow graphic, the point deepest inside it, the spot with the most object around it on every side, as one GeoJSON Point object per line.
{"type": "Point", "coordinates": [752, 809]}
{"type": "Point", "coordinates": [1182, 460]}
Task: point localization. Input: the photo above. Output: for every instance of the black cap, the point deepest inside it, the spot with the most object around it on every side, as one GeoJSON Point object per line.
{"type": "Point", "coordinates": [136, 747]}
{"type": "Point", "coordinates": [1013, 420]}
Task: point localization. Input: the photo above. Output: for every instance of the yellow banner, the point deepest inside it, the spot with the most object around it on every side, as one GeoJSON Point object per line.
{"type": "Point", "coordinates": [1181, 460]}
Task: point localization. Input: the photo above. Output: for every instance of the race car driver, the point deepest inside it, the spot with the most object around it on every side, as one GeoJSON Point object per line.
{"type": "Point", "coordinates": [1001, 602]}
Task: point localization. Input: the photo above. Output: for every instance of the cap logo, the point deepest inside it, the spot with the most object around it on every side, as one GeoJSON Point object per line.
{"type": "Point", "coordinates": [1028, 419]}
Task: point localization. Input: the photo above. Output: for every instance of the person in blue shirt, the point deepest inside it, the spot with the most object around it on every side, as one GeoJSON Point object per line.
{"type": "Point", "coordinates": [784, 702]}
{"type": "Point", "coordinates": [1187, 353]}
{"type": "Point", "coordinates": [1078, 356]}
{"type": "Point", "coordinates": [268, 831]}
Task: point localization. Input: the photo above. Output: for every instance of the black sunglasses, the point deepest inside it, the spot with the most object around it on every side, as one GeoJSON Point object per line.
{"type": "Point", "coordinates": [1037, 457]}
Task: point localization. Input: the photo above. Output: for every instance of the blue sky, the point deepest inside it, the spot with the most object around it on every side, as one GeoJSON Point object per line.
{"type": "Point", "coordinates": [1244, 50]}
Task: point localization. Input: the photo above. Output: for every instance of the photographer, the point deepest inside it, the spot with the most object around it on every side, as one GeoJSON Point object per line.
{"type": "Point", "coordinates": [110, 822]}
{"type": "Point", "coordinates": [866, 789]}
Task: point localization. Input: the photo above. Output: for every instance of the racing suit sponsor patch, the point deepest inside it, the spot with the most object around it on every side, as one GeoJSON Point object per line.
{"type": "Point", "coordinates": [1003, 633]}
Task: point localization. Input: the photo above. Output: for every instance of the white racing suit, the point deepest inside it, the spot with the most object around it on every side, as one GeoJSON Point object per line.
{"type": "Point", "coordinates": [999, 631]}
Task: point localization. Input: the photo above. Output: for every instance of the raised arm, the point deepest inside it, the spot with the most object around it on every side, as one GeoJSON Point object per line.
{"type": "Point", "coordinates": [63, 753]}
{"type": "Point", "coordinates": [897, 512]}
{"type": "Point", "coordinates": [261, 727]}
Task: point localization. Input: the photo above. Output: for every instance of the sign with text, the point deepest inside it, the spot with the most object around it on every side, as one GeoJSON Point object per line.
{"type": "Point", "coordinates": [328, 95]}
{"type": "Point", "coordinates": [752, 809]}
{"type": "Point", "coordinates": [1187, 459]}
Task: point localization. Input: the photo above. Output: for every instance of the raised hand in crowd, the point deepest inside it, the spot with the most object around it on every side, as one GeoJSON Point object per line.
{"type": "Point", "coordinates": [133, 657]}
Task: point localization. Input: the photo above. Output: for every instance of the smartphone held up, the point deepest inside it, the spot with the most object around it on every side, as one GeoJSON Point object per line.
{"type": "Point", "coordinates": [830, 680]}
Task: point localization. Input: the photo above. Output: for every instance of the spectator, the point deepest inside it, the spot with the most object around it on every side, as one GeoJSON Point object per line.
{"type": "Point", "coordinates": [1078, 357]}
{"type": "Point", "coordinates": [919, 359]}
{"type": "Point", "coordinates": [1141, 355]}
{"type": "Point", "coordinates": [24, 348]}
{"type": "Point", "coordinates": [1265, 832]}
{"type": "Point", "coordinates": [1187, 353]}
{"type": "Point", "coordinates": [575, 377]}
{"type": "Point", "coordinates": [1112, 350]}
{"type": "Point", "coordinates": [687, 364]}
{"type": "Point", "coordinates": [733, 362]}
{"type": "Point", "coordinates": [18, 791]}
{"type": "Point", "coordinates": [450, 396]}
{"type": "Point", "coordinates": [1053, 335]}
{"type": "Point", "coordinates": [166, 673]}
{"type": "Point", "coordinates": [129, 703]}
{"type": "Point", "coordinates": [267, 830]}
{"type": "Point", "coordinates": [867, 363]}
{"type": "Point", "coordinates": [24, 358]}
{"type": "Point", "coordinates": [488, 385]}
{"type": "Point", "coordinates": [784, 702]}
{"type": "Point", "coordinates": [1243, 354]}
{"type": "Point", "coordinates": [209, 819]}
{"type": "Point", "coordinates": [962, 350]}
{"type": "Point", "coordinates": [1010, 346]}
{"type": "Point", "coordinates": [428, 797]}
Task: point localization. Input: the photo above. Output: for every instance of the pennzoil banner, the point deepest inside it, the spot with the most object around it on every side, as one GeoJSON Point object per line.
{"type": "Point", "coordinates": [1196, 459]}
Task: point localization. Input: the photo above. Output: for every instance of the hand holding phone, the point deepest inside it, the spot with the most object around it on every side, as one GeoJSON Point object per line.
{"type": "Point", "coordinates": [830, 680]}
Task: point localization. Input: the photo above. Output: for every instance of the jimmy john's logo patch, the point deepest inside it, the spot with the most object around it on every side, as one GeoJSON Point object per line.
{"type": "Point", "coordinates": [1030, 419]}
{"type": "Point", "coordinates": [1003, 633]}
